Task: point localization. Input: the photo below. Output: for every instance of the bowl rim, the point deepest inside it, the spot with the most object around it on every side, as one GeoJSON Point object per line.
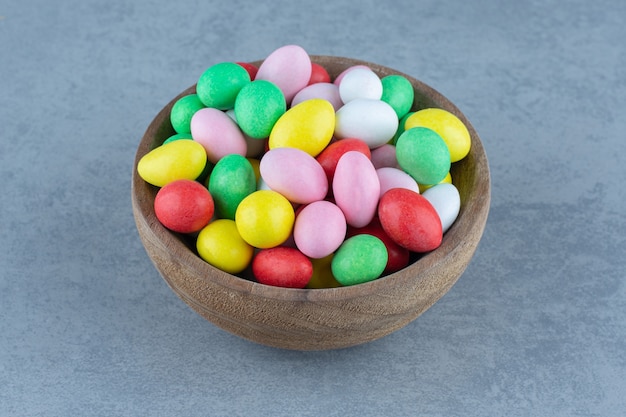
{"type": "Point", "coordinates": [479, 206]}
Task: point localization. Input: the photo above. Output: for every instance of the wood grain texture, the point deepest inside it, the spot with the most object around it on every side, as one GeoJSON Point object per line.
{"type": "Point", "coordinates": [318, 319]}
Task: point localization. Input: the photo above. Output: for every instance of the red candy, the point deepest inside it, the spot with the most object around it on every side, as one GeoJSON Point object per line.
{"type": "Point", "coordinates": [184, 206]}
{"type": "Point", "coordinates": [410, 220]}
{"type": "Point", "coordinates": [318, 74]}
{"type": "Point", "coordinates": [398, 257]}
{"type": "Point", "coordinates": [282, 267]}
{"type": "Point", "coordinates": [252, 70]}
{"type": "Point", "coordinates": [329, 157]}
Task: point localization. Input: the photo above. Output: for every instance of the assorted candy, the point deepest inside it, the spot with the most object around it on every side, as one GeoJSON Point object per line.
{"type": "Point", "coordinates": [299, 180]}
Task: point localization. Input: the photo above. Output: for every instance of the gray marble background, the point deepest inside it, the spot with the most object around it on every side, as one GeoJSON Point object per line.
{"type": "Point", "coordinates": [535, 327]}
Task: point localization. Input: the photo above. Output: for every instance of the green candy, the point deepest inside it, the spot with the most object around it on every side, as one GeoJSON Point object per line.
{"type": "Point", "coordinates": [182, 112]}
{"type": "Point", "coordinates": [359, 259]}
{"type": "Point", "coordinates": [423, 154]}
{"type": "Point", "coordinates": [231, 180]}
{"type": "Point", "coordinates": [258, 106]}
{"type": "Point", "coordinates": [401, 127]}
{"type": "Point", "coordinates": [398, 93]}
{"type": "Point", "coordinates": [220, 84]}
{"type": "Point", "coordinates": [178, 136]}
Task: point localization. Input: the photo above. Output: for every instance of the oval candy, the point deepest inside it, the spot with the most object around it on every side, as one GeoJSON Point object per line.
{"type": "Point", "coordinates": [221, 245]}
{"type": "Point", "coordinates": [398, 92]}
{"type": "Point", "coordinates": [289, 67]}
{"type": "Point", "coordinates": [295, 174]}
{"type": "Point", "coordinates": [360, 83]}
{"type": "Point", "coordinates": [282, 267]}
{"type": "Point", "coordinates": [180, 159]}
{"type": "Point", "coordinates": [220, 84]}
{"type": "Point", "coordinates": [356, 188]}
{"type": "Point", "coordinates": [397, 256]}
{"type": "Point", "coordinates": [446, 200]}
{"type": "Point", "coordinates": [359, 259]}
{"type": "Point", "coordinates": [372, 121]}
{"type": "Point", "coordinates": [325, 91]}
{"type": "Point", "coordinates": [318, 74]}
{"type": "Point", "coordinates": [265, 219]}
{"type": "Point", "coordinates": [231, 180]}
{"type": "Point", "coordinates": [308, 126]}
{"type": "Point", "coordinates": [184, 206]}
{"type": "Point", "coordinates": [257, 108]}
{"type": "Point", "coordinates": [451, 129]}
{"type": "Point", "coordinates": [329, 157]}
{"type": "Point", "coordinates": [390, 177]}
{"type": "Point", "coordinates": [182, 112]}
{"type": "Point", "coordinates": [423, 154]}
{"type": "Point", "coordinates": [418, 228]}
{"type": "Point", "coordinates": [217, 133]}
{"type": "Point", "coordinates": [384, 156]}
{"type": "Point", "coordinates": [320, 228]}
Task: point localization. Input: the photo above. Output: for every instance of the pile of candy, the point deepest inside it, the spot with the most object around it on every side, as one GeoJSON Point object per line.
{"type": "Point", "coordinates": [302, 180]}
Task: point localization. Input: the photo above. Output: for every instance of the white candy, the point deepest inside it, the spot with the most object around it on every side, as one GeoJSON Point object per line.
{"type": "Point", "coordinates": [373, 121]}
{"type": "Point", "coordinates": [446, 200]}
{"type": "Point", "coordinates": [360, 83]}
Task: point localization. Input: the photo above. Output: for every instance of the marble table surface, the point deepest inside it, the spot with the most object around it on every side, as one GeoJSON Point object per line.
{"type": "Point", "coordinates": [536, 326]}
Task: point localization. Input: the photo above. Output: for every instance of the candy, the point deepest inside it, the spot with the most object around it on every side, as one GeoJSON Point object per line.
{"type": "Point", "coordinates": [320, 178]}
{"type": "Point", "coordinates": [372, 121]}
{"type": "Point", "coordinates": [356, 188]}
{"type": "Point", "coordinates": [384, 156]}
{"type": "Point", "coordinates": [182, 112]}
{"type": "Point", "coordinates": [220, 244]}
{"type": "Point", "coordinates": [308, 126]}
{"type": "Point", "coordinates": [319, 230]}
{"type": "Point", "coordinates": [258, 106]}
{"type": "Point", "coordinates": [390, 177]}
{"type": "Point", "coordinates": [318, 74]}
{"type": "Point", "coordinates": [180, 159]}
{"type": "Point", "coordinates": [322, 274]}
{"type": "Point", "coordinates": [410, 220]}
{"type": "Point", "coordinates": [282, 267]}
{"type": "Point", "coordinates": [252, 70]}
{"type": "Point", "coordinates": [397, 256]}
{"type": "Point", "coordinates": [217, 133]}
{"type": "Point", "coordinates": [325, 91]}
{"type": "Point", "coordinates": [446, 200]}
{"type": "Point", "coordinates": [398, 93]}
{"type": "Point", "coordinates": [295, 174]}
{"type": "Point", "coordinates": [219, 85]}
{"type": "Point", "coordinates": [423, 155]}
{"type": "Point", "coordinates": [343, 73]}
{"type": "Point", "coordinates": [359, 259]}
{"type": "Point", "coordinates": [289, 67]}
{"type": "Point", "coordinates": [264, 219]}
{"type": "Point", "coordinates": [184, 206]}
{"type": "Point", "coordinates": [451, 129]}
{"type": "Point", "coordinates": [446, 180]}
{"type": "Point", "coordinates": [329, 157]}
{"type": "Point", "coordinates": [360, 83]}
{"type": "Point", "coordinates": [231, 181]}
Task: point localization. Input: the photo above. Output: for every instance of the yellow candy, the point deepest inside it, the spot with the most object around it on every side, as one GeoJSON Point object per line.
{"type": "Point", "coordinates": [323, 274]}
{"type": "Point", "coordinates": [452, 130]}
{"type": "Point", "coordinates": [180, 159]}
{"type": "Point", "coordinates": [220, 244]}
{"type": "Point", "coordinates": [264, 219]}
{"type": "Point", "coordinates": [255, 167]}
{"type": "Point", "coordinates": [308, 126]}
{"type": "Point", "coordinates": [447, 179]}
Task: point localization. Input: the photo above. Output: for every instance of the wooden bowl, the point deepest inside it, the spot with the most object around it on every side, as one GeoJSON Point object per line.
{"type": "Point", "coordinates": [318, 319]}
